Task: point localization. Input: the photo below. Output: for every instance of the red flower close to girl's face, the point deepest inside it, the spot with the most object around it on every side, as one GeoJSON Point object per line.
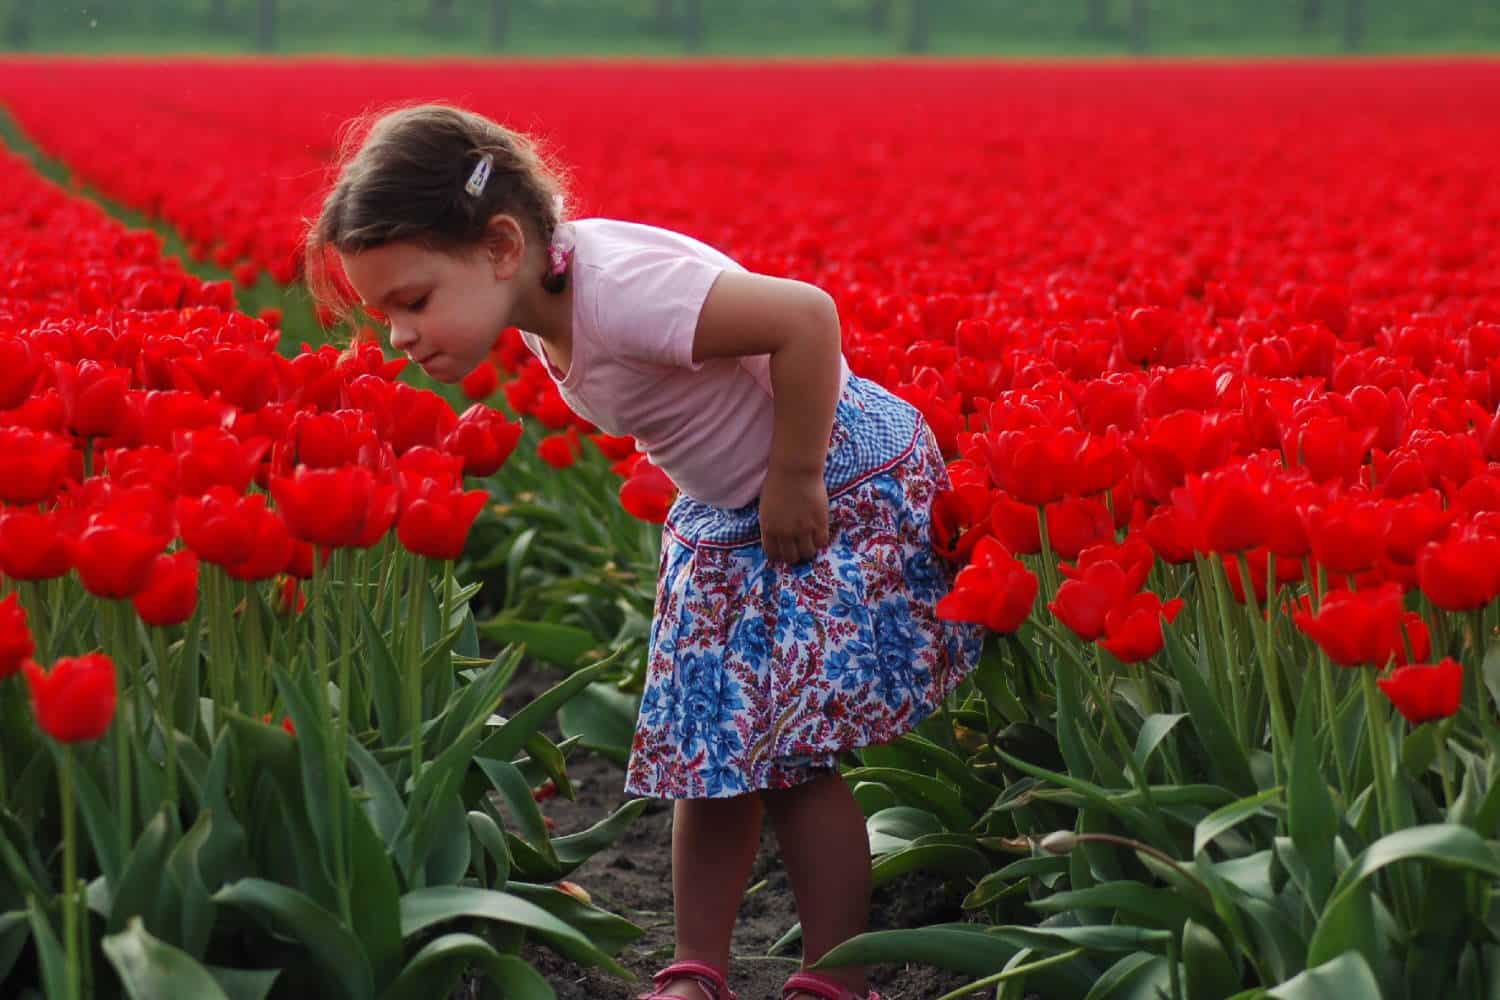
{"type": "Point", "coordinates": [445, 309]}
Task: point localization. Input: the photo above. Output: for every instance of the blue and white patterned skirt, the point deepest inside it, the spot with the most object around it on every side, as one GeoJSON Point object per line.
{"type": "Point", "coordinates": [760, 673]}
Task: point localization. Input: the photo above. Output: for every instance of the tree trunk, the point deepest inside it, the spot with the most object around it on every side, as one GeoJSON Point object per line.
{"type": "Point", "coordinates": [880, 16]}
{"type": "Point", "coordinates": [1095, 17]}
{"type": "Point", "coordinates": [692, 25]}
{"type": "Point", "coordinates": [18, 25]}
{"type": "Point", "coordinates": [265, 26]}
{"type": "Point", "coordinates": [1139, 39]}
{"type": "Point", "coordinates": [919, 26]}
{"type": "Point", "coordinates": [1354, 25]}
{"type": "Point", "coordinates": [499, 23]}
{"type": "Point", "coordinates": [1312, 13]}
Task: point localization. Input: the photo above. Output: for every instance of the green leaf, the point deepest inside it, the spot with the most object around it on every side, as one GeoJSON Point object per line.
{"type": "Point", "coordinates": [603, 717]}
{"type": "Point", "coordinates": [507, 740]}
{"type": "Point", "coordinates": [142, 891]}
{"type": "Point", "coordinates": [575, 848]}
{"type": "Point", "coordinates": [511, 785]}
{"type": "Point", "coordinates": [99, 820]}
{"type": "Point", "coordinates": [1153, 731]}
{"type": "Point", "coordinates": [383, 805]}
{"type": "Point", "coordinates": [197, 912]}
{"type": "Point", "coordinates": [1224, 753]}
{"type": "Point", "coordinates": [607, 930]}
{"type": "Point", "coordinates": [953, 860]}
{"type": "Point", "coordinates": [1310, 813]}
{"type": "Point", "coordinates": [1151, 907]}
{"type": "Point", "coordinates": [492, 839]}
{"type": "Point", "coordinates": [332, 945]}
{"type": "Point", "coordinates": [423, 908]}
{"type": "Point", "coordinates": [50, 954]}
{"type": "Point", "coordinates": [958, 948]}
{"type": "Point", "coordinates": [434, 971]}
{"type": "Point", "coordinates": [1137, 976]}
{"type": "Point", "coordinates": [245, 984]}
{"type": "Point", "coordinates": [896, 827]}
{"type": "Point", "coordinates": [561, 645]}
{"type": "Point", "coordinates": [1346, 976]}
{"type": "Point", "coordinates": [385, 677]}
{"type": "Point", "coordinates": [1211, 972]}
{"type": "Point", "coordinates": [1228, 817]}
{"type": "Point", "coordinates": [1348, 920]}
{"type": "Point", "coordinates": [942, 798]}
{"type": "Point", "coordinates": [152, 969]}
{"type": "Point", "coordinates": [377, 915]}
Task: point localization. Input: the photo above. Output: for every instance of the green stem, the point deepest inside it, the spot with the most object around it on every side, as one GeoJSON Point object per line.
{"type": "Point", "coordinates": [346, 653]}
{"type": "Point", "coordinates": [412, 664]}
{"type": "Point", "coordinates": [1384, 790]}
{"type": "Point", "coordinates": [1014, 972]}
{"type": "Point", "coordinates": [1142, 784]}
{"type": "Point", "coordinates": [1237, 705]}
{"type": "Point", "coordinates": [1281, 733]}
{"type": "Point", "coordinates": [70, 874]}
{"type": "Point", "coordinates": [120, 737]}
{"type": "Point", "coordinates": [166, 703]}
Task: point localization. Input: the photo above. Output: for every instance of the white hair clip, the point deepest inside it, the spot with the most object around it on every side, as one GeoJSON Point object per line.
{"type": "Point", "coordinates": [480, 176]}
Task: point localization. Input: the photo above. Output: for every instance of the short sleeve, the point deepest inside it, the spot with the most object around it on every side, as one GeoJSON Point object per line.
{"type": "Point", "coordinates": [649, 303]}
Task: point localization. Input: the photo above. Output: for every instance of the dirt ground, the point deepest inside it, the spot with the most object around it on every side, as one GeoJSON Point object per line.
{"type": "Point", "coordinates": [633, 879]}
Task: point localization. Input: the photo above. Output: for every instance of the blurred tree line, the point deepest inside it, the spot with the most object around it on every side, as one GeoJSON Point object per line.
{"type": "Point", "coordinates": [1139, 26]}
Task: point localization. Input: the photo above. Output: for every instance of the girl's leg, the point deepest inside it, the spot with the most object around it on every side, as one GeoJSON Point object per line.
{"type": "Point", "coordinates": [714, 842]}
{"type": "Point", "coordinates": [821, 832]}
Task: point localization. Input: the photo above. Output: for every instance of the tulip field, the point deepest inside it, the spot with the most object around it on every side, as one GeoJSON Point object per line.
{"type": "Point", "coordinates": [1213, 351]}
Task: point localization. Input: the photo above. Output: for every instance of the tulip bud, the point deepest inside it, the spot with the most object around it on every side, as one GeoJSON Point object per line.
{"type": "Point", "coordinates": [575, 890]}
{"type": "Point", "coordinates": [1060, 842]}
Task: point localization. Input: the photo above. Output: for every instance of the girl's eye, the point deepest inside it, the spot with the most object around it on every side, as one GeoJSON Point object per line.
{"type": "Point", "coordinates": [416, 304]}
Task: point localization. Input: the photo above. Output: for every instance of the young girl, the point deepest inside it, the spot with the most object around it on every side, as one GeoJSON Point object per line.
{"type": "Point", "coordinates": [795, 604]}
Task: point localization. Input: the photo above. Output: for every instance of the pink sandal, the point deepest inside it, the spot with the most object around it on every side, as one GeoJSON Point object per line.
{"type": "Point", "coordinates": [706, 976]}
{"type": "Point", "coordinates": [821, 987]}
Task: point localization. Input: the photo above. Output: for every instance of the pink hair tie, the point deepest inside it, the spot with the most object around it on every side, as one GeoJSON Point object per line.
{"type": "Point", "coordinates": [560, 252]}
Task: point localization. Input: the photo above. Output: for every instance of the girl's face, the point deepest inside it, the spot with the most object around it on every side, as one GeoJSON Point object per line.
{"type": "Point", "coordinates": [445, 309]}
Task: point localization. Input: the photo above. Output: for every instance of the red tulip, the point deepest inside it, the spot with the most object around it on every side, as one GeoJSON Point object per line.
{"type": "Point", "coordinates": [484, 439]}
{"type": "Point", "coordinates": [20, 364]}
{"type": "Point", "coordinates": [16, 644]}
{"type": "Point", "coordinates": [272, 548]}
{"type": "Point", "coordinates": [437, 519]}
{"type": "Point", "coordinates": [114, 555]}
{"type": "Point", "coordinates": [1357, 628]}
{"type": "Point", "coordinates": [210, 457]}
{"type": "Point", "coordinates": [649, 493]}
{"type": "Point", "coordinates": [75, 700]}
{"type": "Point", "coordinates": [1460, 573]}
{"type": "Point", "coordinates": [1133, 630]}
{"type": "Point", "coordinates": [1082, 603]}
{"type": "Point", "coordinates": [33, 465]}
{"type": "Point", "coordinates": [32, 547]}
{"type": "Point", "coordinates": [559, 450]}
{"type": "Point", "coordinates": [480, 383]}
{"type": "Point", "coordinates": [218, 525]}
{"type": "Point", "coordinates": [995, 590]}
{"type": "Point", "coordinates": [172, 592]}
{"type": "Point", "coordinates": [335, 507]}
{"type": "Point", "coordinates": [94, 397]}
{"type": "Point", "coordinates": [1423, 692]}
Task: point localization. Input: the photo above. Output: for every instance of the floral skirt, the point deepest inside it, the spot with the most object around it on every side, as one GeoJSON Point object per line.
{"type": "Point", "coordinates": [760, 673]}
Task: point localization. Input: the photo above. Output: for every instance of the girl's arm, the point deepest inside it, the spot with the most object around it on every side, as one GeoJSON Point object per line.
{"type": "Point", "coordinates": [797, 324]}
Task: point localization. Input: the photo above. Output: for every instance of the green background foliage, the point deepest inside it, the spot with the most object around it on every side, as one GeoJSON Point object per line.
{"type": "Point", "coordinates": [754, 27]}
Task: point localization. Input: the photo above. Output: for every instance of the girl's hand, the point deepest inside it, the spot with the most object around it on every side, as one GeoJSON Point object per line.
{"type": "Point", "coordinates": [793, 515]}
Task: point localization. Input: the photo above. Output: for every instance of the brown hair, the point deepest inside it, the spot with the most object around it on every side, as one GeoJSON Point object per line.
{"type": "Point", "coordinates": [402, 176]}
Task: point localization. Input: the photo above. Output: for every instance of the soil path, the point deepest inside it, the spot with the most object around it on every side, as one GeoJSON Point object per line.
{"type": "Point", "coordinates": [632, 878]}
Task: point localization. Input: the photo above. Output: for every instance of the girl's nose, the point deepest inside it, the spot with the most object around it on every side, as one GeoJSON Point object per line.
{"type": "Point", "coordinates": [402, 338]}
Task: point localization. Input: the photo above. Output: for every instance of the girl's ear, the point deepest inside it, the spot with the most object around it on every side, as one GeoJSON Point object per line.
{"type": "Point", "coordinates": [505, 240]}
